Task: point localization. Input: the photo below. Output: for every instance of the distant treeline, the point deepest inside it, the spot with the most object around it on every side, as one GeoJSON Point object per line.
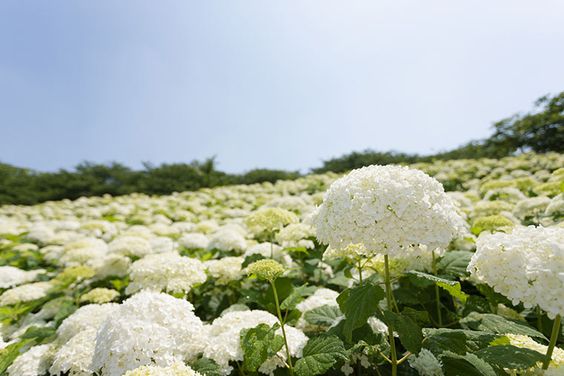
{"type": "Point", "coordinates": [541, 130]}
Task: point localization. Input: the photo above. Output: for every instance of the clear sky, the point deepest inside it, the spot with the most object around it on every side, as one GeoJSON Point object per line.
{"type": "Point", "coordinates": [278, 84]}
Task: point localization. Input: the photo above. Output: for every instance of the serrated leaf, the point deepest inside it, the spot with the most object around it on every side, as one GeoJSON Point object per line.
{"type": "Point", "coordinates": [325, 315]}
{"type": "Point", "coordinates": [358, 304]}
{"type": "Point", "coordinates": [511, 357]}
{"type": "Point", "coordinates": [455, 263]}
{"type": "Point", "coordinates": [409, 332]}
{"type": "Point", "coordinates": [452, 287]}
{"type": "Point", "coordinates": [319, 355]}
{"type": "Point", "coordinates": [296, 296]}
{"type": "Point", "coordinates": [258, 344]}
{"type": "Point", "coordinates": [206, 367]}
{"type": "Point", "coordinates": [488, 322]}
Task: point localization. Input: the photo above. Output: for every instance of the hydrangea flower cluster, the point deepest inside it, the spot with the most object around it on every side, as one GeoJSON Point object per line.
{"type": "Point", "coordinates": [526, 266]}
{"type": "Point", "coordinates": [387, 209]}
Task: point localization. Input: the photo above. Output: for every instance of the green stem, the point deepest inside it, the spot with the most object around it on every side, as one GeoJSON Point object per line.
{"type": "Point", "coordinates": [539, 319]}
{"type": "Point", "coordinates": [553, 339]}
{"type": "Point", "coordinates": [437, 294]}
{"type": "Point", "coordinates": [359, 272]}
{"type": "Point", "coordinates": [288, 356]}
{"type": "Point", "coordinates": [389, 300]}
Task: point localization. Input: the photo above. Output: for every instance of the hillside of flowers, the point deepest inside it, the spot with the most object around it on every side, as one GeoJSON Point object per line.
{"type": "Point", "coordinates": [444, 268]}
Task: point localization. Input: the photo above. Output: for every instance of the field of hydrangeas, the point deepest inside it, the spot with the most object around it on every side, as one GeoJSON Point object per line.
{"type": "Point", "coordinates": [444, 268]}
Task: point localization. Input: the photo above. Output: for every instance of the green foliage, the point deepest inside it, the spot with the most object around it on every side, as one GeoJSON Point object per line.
{"type": "Point", "coordinates": [259, 344]}
{"type": "Point", "coordinates": [358, 304]}
{"type": "Point", "coordinates": [409, 332]}
{"type": "Point", "coordinates": [325, 315]}
{"type": "Point", "coordinates": [10, 353]}
{"type": "Point", "coordinates": [319, 355]}
{"type": "Point", "coordinates": [296, 296]}
{"type": "Point", "coordinates": [488, 322]}
{"type": "Point", "coordinates": [452, 287]}
{"type": "Point", "coordinates": [206, 367]}
{"type": "Point", "coordinates": [510, 357]}
{"type": "Point", "coordinates": [455, 263]}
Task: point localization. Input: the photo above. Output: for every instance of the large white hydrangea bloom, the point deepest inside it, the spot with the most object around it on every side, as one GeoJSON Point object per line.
{"type": "Point", "coordinates": [11, 276]}
{"type": "Point", "coordinates": [148, 329]}
{"type": "Point", "coordinates": [526, 266]}
{"type": "Point", "coordinates": [166, 272]}
{"type": "Point", "coordinates": [388, 209]}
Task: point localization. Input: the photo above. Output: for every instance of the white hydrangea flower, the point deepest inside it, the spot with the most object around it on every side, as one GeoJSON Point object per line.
{"type": "Point", "coordinates": [131, 246]}
{"type": "Point", "coordinates": [226, 269]}
{"type": "Point", "coordinates": [33, 362]}
{"type": "Point", "coordinates": [90, 316]}
{"type": "Point", "coordinates": [526, 266]}
{"type": "Point", "coordinates": [11, 276]}
{"type": "Point", "coordinates": [531, 207]}
{"type": "Point", "coordinates": [194, 241]}
{"type": "Point", "coordinates": [25, 293]}
{"type": "Point", "coordinates": [162, 244]}
{"type": "Point", "coordinates": [426, 363]}
{"type": "Point", "coordinates": [387, 209]}
{"type": "Point", "coordinates": [99, 295]}
{"type": "Point", "coordinates": [110, 265]}
{"type": "Point", "coordinates": [148, 329]}
{"type": "Point", "coordinates": [75, 355]}
{"type": "Point", "coordinates": [227, 240]}
{"type": "Point", "coordinates": [165, 272]}
{"type": "Point", "coordinates": [296, 235]}
{"type": "Point", "coordinates": [176, 369]}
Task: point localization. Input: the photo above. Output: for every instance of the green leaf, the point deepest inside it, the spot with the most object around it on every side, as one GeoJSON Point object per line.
{"type": "Point", "coordinates": [259, 344]}
{"type": "Point", "coordinates": [452, 287]}
{"type": "Point", "coordinates": [511, 357]}
{"type": "Point", "coordinates": [467, 365]}
{"type": "Point", "coordinates": [325, 315]}
{"type": "Point", "coordinates": [409, 332]}
{"type": "Point", "coordinates": [358, 304]}
{"type": "Point", "coordinates": [206, 367]}
{"type": "Point", "coordinates": [455, 263]}
{"type": "Point", "coordinates": [9, 353]}
{"type": "Point", "coordinates": [456, 340]}
{"type": "Point", "coordinates": [488, 322]}
{"type": "Point", "coordinates": [296, 296]}
{"type": "Point", "coordinates": [319, 355]}
{"type": "Point", "coordinates": [38, 333]}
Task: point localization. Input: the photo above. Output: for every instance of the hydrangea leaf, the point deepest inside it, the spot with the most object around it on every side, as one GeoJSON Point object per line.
{"type": "Point", "coordinates": [467, 365]}
{"type": "Point", "coordinates": [325, 315]}
{"type": "Point", "coordinates": [457, 341]}
{"type": "Point", "coordinates": [206, 367]}
{"type": "Point", "coordinates": [511, 357]}
{"type": "Point", "coordinates": [259, 344]}
{"type": "Point", "coordinates": [358, 304]}
{"type": "Point", "coordinates": [452, 287]}
{"type": "Point", "coordinates": [409, 332]}
{"type": "Point", "coordinates": [455, 263]}
{"type": "Point", "coordinates": [488, 322]}
{"type": "Point", "coordinates": [319, 355]}
{"type": "Point", "coordinates": [296, 296]}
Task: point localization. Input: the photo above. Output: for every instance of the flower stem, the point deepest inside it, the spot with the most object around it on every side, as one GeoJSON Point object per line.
{"type": "Point", "coordinates": [359, 272]}
{"type": "Point", "coordinates": [553, 339]}
{"type": "Point", "coordinates": [389, 300]}
{"type": "Point", "coordinates": [437, 294]}
{"type": "Point", "coordinates": [288, 356]}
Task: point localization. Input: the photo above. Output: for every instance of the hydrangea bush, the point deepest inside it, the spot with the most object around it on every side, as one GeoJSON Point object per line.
{"type": "Point", "coordinates": [443, 268]}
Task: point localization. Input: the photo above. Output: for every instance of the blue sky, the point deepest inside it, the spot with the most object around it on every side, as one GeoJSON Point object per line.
{"type": "Point", "coordinates": [265, 84]}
